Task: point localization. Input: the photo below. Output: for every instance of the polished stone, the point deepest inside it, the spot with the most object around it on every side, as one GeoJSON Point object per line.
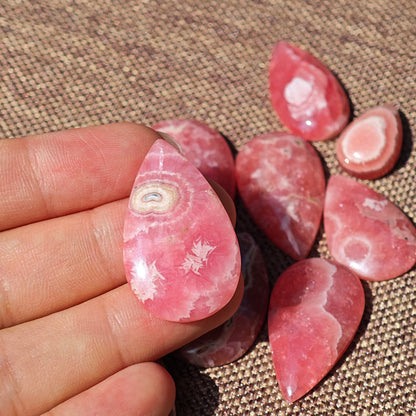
{"type": "Point", "coordinates": [366, 232]}
{"type": "Point", "coordinates": [306, 95]}
{"type": "Point", "coordinates": [205, 147]}
{"type": "Point", "coordinates": [231, 340]}
{"type": "Point", "coordinates": [281, 181]}
{"type": "Point", "coordinates": [315, 310]}
{"type": "Point", "coordinates": [181, 253]}
{"type": "Point", "coordinates": [370, 146]}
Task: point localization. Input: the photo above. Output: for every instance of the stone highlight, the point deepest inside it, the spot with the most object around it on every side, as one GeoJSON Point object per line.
{"type": "Point", "coordinates": [366, 232]}
{"type": "Point", "coordinates": [231, 340]}
{"type": "Point", "coordinates": [181, 253]}
{"type": "Point", "coordinates": [370, 146]}
{"type": "Point", "coordinates": [205, 147]}
{"type": "Point", "coordinates": [306, 95]}
{"type": "Point", "coordinates": [315, 310]}
{"type": "Point", "coordinates": [281, 181]}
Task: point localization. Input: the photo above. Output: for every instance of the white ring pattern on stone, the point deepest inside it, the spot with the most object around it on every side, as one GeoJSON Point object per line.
{"type": "Point", "coordinates": [154, 197]}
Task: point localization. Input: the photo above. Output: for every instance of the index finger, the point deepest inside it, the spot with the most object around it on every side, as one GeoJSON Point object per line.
{"type": "Point", "coordinates": [55, 174]}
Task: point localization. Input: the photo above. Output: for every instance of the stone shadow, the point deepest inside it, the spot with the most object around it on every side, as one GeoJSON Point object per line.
{"type": "Point", "coordinates": [407, 142]}
{"type": "Point", "coordinates": [230, 145]}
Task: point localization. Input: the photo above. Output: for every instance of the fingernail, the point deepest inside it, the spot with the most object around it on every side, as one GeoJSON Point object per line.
{"type": "Point", "coordinates": [171, 141]}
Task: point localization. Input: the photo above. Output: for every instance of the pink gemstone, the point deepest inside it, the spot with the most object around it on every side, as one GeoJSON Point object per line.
{"type": "Point", "coordinates": [281, 180]}
{"type": "Point", "coordinates": [370, 146]}
{"type": "Point", "coordinates": [315, 309]}
{"type": "Point", "coordinates": [181, 253]}
{"type": "Point", "coordinates": [307, 97]}
{"type": "Point", "coordinates": [231, 340]}
{"type": "Point", "coordinates": [205, 147]}
{"type": "Point", "coordinates": [366, 232]}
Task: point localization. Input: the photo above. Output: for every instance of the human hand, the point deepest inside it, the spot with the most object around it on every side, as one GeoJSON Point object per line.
{"type": "Point", "coordinates": [74, 339]}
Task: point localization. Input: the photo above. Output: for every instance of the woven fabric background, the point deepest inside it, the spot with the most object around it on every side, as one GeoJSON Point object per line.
{"type": "Point", "coordinates": [73, 63]}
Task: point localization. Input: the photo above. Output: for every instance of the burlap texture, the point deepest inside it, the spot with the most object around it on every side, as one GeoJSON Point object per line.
{"type": "Point", "coordinates": [76, 63]}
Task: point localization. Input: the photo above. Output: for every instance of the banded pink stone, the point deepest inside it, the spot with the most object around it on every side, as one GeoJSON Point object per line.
{"type": "Point", "coordinates": [281, 181]}
{"type": "Point", "coordinates": [181, 253]}
{"type": "Point", "coordinates": [370, 146]}
{"type": "Point", "coordinates": [231, 340]}
{"type": "Point", "coordinates": [366, 232]}
{"type": "Point", "coordinates": [205, 147]}
{"type": "Point", "coordinates": [315, 310]}
{"type": "Point", "coordinates": [306, 95]}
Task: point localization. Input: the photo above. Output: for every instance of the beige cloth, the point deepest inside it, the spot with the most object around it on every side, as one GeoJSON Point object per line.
{"type": "Point", "coordinates": [76, 63]}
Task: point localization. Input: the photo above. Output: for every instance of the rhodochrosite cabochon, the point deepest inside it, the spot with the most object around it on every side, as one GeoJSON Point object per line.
{"type": "Point", "coordinates": [366, 232]}
{"type": "Point", "coordinates": [205, 147]}
{"type": "Point", "coordinates": [307, 97]}
{"type": "Point", "coordinates": [370, 146]}
{"type": "Point", "coordinates": [232, 339]}
{"type": "Point", "coordinates": [315, 309]}
{"type": "Point", "coordinates": [181, 253]}
{"type": "Point", "coordinates": [281, 181]}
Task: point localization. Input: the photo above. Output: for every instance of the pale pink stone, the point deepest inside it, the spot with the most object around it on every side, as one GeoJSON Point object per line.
{"type": "Point", "coordinates": [231, 340]}
{"type": "Point", "coordinates": [307, 97]}
{"type": "Point", "coordinates": [181, 253]}
{"type": "Point", "coordinates": [205, 147]}
{"type": "Point", "coordinates": [281, 180]}
{"type": "Point", "coordinates": [366, 232]}
{"type": "Point", "coordinates": [370, 146]}
{"type": "Point", "coordinates": [315, 310]}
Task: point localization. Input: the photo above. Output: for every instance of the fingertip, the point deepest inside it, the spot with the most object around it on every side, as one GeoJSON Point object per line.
{"type": "Point", "coordinates": [145, 135]}
{"type": "Point", "coordinates": [141, 389]}
{"type": "Point", "coordinates": [156, 386]}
